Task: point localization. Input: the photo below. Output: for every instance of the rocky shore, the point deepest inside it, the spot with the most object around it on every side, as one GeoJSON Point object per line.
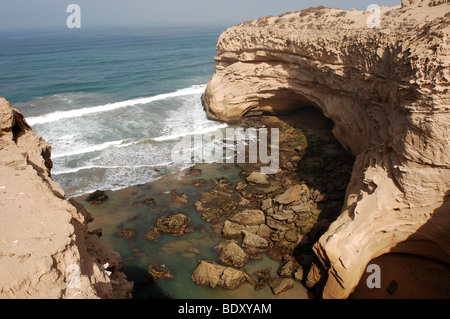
{"type": "Point", "coordinates": [386, 91]}
{"type": "Point", "coordinates": [46, 251]}
{"type": "Point", "coordinates": [282, 214]}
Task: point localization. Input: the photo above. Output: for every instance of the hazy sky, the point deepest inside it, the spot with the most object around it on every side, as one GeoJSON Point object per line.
{"type": "Point", "coordinates": [44, 13]}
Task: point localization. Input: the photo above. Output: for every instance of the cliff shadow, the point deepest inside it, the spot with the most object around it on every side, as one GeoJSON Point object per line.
{"type": "Point", "coordinates": [417, 268]}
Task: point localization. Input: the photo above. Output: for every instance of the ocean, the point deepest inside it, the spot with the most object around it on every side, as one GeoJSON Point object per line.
{"type": "Point", "coordinates": [113, 103]}
{"type": "Point", "coordinates": [110, 101]}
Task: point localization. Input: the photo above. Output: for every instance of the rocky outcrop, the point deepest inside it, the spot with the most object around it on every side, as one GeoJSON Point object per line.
{"type": "Point", "coordinates": [386, 90]}
{"type": "Point", "coordinates": [45, 248]}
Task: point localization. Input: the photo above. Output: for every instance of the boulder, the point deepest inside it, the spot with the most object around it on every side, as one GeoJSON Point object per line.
{"type": "Point", "coordinates": [231, 254]}
{"type": "Point", "coordinates": [249, 217]}
{"type": "Point", "coordinates": [257, 178]}
{"type": "Point", "coordinates": [280, 285]}
{"type": "Point", "coordinates": [96, 197]}
{"type": "Point", "coordinates": [157, 271]}
{"type": "Point", "coordinates": [294, 193]}
{"type": "Point", "coordinates": [254, 241]}
{"type": "Point", "coordinates": [127, 232]}
{"type": "Point", "coordinates": [152, 234]}
{"type": "Point", "coordinates": [232, 230]}
{"type": "Point", "coordinates": [173, 224]}
{"type": "Point", "coordinates": [209, 273]}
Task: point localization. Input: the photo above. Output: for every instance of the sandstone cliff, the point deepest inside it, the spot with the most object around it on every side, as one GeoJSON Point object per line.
{"type": "Point", "coordinates": [45, 249]}
{"type": "Point", "coordinates": [387, 91]}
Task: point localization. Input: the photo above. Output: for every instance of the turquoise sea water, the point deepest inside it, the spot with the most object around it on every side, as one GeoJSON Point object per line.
{"type": "Point", "coordinates": [110, 101]}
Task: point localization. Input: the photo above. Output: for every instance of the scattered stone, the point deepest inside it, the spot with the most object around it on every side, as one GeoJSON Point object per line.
{"type": "Point", "coordinates": [183, 198]}
{"type": "Point", "coordinates": [293, 194]}
{"type": "Point", "coordinates": [249, 217]}
{"type": "Point", "coordinates": [209, 273]}
{"type": "Point", "coordinates": [193, 249]}
{"type": "Point", "coordinates": [152, 235]}
{"type": "Point", "coordinates": [298, 275]}
{"type": "Point", "coordinates": [127, 233]}
{"type": "Point", "coordinates": [254, 241]}
{"type": "Point", "coordinates": [157, 271]}
{"type": "Point", "coordinates": [96, 197]}
{"type": "Point", "coordinates": [215, 204]}
{"type": "Point", "coordinates": [289, 266]}
{"type": "Point", "coordinates": [291, 236]}
{"type": "Point", "coordinates": [280, 285]}
{"type": "Point", "coordinates": [244, 202]}
{"type": "Point", "coordinates": [264, 231]}
{"type": "Point", "coordinates": [266, 204]}
{"type": "Point", "coordinates": [199, 183]}
{"type": "Point", "coordinates": [264, 277]}
{"type": "Point", "coordinates": [257, 178]}
{"type": "Point", "coordinates": [194, 172]}
{"type": "Point", "coordinates": [241, 186]}
{"type": "Point", "coordinates": [231, 254]}
{"type": "Point", "coordinates": [232, 230]}
{"type": "Point", "coordinates": [173, 224]}
{"type": "Point", "coordinates": [301, 209]}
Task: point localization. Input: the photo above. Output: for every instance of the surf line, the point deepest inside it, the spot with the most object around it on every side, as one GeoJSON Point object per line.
{"type": "Point", "coordinates": [59, 115]}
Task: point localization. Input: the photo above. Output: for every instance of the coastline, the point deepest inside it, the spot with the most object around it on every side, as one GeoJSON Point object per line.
{"type": "Point", "coordinates": [309, 156]}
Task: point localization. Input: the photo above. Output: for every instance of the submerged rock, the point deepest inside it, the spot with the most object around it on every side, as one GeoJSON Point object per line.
{"type": "Point", "coordinates": [157, 271]}
{"type": "Point", "coordinates": [152, 234]}
{"type": "Point", "coordinates": [127, 233]}
{"type": "Point", "coordinates": [173, 224]}
{"type": "Point", "coordinates": [96, 197]}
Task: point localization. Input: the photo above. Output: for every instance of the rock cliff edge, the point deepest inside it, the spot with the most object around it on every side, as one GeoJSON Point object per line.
{"type": "Point", "coordinates": [45, 248]}
{"type": "Point", "coordinates": [387, 91]}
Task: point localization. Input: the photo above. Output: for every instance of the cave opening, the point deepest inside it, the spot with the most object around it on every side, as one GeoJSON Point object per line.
{"type": "Point", "coordinates": [309, 155]}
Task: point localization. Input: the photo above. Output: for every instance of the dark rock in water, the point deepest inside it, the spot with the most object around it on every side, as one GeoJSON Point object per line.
{"type": "Point", "coordinates": [198, 183]}
{"type": "Point", "coordinates": [97, 197]}
{"type": "Point", "coordinates": [215, 204]}
{"type": "Point", "coordinates": [194, 172]}
{"type": "Point", "coordinates": [127, 233]}
{"type": "Point", "coordinates": [152, 234]}
{"type": "Point", "coordinates": [264, 277]}
{"type": "Point", "coordinates": [157, 271]}
{"type": "Point", "coordinates": [173, 224]}
{"type": "Point", "coordinates": [149, 201]}
{"type": "Point", "coordinates": [97, 231]}
{"type": "Point", "coordinates": [180, 198]}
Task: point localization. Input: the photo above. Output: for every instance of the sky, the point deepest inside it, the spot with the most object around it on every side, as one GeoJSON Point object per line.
{"type": "Point", "coordinates": [52, 13]}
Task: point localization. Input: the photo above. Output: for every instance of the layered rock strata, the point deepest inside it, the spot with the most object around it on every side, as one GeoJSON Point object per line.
{"type": "Point", "coordinates": [387, 91]}
{"type": "Point", "coordinates": [45, 248]}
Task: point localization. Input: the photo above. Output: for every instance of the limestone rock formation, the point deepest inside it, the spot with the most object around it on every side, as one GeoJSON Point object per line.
{"type": "Point", "coordinates": [387, 91]}
{"type": "Point", "coordinates": [46, 250]}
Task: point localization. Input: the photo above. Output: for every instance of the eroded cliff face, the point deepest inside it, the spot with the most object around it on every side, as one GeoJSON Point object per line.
{"type": "Point", "coordinates": [45, 248]}
{"type": "Point", "coordinates": [386, 90]}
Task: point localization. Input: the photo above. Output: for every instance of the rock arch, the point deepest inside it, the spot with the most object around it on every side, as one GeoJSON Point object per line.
{"type": "Point", "coordinates": [387, 93]}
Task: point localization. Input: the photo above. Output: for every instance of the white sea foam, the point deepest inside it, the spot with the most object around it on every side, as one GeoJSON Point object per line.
{"type": "Point", "coordinates": [92, 148]}
{"type": "Point", "coordinates": [59, 115]}
{"type": "Point", "coordinates": [78, 169]}
{"type": "Point", "coordinates": [183, 134]}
